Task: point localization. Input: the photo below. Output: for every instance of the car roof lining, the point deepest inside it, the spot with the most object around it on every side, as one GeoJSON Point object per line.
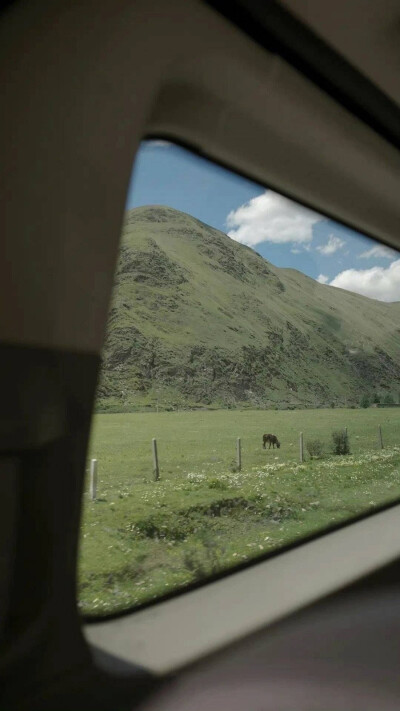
{"type": "Point", "coordinates": [364, 32]}
{"type": "Point", "coordinates": [279, 31]}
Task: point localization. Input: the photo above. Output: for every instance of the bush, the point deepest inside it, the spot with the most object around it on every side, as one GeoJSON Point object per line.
{"type": "Point", "coordinates": [340, 442]}
{"type": "Point", "coordinates": [364, 402]}
{"type": "Point", "coordinates": [314, 448]}
{"type": "Point", "coordinates": [217, 484]}
{"type": "Point", "coordinates": [388, 399]}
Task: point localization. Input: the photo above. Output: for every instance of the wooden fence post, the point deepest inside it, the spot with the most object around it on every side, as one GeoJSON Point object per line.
{"type": "Point", "coordinates": [380, 436]}
{"type": "Point", "coordinates": [301, 448]}
{"type": "Point", "coordinates": [345, 431]}
{"type": "Point", "coordinates": [238, 454]}
{"type": "Point", "coordinates": [156, 471]}
{"type": "Point", "coordinates": [93, 479]}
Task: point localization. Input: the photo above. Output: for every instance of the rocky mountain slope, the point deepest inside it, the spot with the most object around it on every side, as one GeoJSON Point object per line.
{"type": "Point", "coordinates": [198, 319]}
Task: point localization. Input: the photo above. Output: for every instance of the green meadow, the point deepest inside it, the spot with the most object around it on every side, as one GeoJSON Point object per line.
{"type": "Point", "coordinates": [143, 538]}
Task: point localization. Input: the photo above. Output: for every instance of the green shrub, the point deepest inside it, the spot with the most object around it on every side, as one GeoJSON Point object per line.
{"type": "Point", "coordinates": [217, 484]}
{"type": "Point", "coordinates": [314, 448]}
{"type": "Point", "coordinates": [340, 442]}
{"type": "Point", "coordinates": [388, 399]}
{"type": "Point", "coordinates": [364, 402]}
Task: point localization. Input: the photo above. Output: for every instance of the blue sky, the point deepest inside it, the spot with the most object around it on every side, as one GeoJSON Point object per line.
{"type": "Point", "coordinates": [284, 232]}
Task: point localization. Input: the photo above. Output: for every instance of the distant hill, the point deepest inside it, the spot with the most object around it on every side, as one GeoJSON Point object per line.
{"type": "Point", "coordinates": [198, 319]}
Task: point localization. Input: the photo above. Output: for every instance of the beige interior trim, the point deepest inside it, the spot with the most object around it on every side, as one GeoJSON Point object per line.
{"type": "Point", "coordinates": [365, 33]}
{"type": "Point", "coordinates": [184, 629]}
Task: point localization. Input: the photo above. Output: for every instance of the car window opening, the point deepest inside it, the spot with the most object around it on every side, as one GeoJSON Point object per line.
{"type": "Point", "coordinates": [250, 388]}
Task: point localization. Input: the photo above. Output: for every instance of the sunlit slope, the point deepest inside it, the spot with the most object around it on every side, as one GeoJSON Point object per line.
{"type": "Point", "coordinates": [199, 318]}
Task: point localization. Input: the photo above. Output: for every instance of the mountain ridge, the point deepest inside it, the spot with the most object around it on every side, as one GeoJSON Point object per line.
{"type": "Point", "coordinates": [198, 319]}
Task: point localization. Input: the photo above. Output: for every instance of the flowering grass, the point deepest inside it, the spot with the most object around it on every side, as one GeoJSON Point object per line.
{"type": "Point", "coordinates": [141, 539]}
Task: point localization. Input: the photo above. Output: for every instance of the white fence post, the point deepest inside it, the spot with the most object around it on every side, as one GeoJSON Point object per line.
{"type": "Point", "coordinates": [301, 447]}
{"type": "Point", "coordinates": [93, 479]}
{"type": "Point", "coordinates": [156, 471]}
{"type": "Point", "coordinates": [238, 454]}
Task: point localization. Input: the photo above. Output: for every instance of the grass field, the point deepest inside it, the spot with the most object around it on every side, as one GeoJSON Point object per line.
{"type": "Point", "coordinates": [141, 539]}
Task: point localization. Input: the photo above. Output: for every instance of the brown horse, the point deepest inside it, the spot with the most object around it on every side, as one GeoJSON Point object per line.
{"type": "Point", "coordinates": [271, 439]}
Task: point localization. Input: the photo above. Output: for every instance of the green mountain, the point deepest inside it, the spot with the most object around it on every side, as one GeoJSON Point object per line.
{"type": "Point", "coordinates": [199, 319]}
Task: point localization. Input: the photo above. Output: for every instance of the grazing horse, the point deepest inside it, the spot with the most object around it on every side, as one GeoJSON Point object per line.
{"type": "Point", "coordinates": [271, 439]}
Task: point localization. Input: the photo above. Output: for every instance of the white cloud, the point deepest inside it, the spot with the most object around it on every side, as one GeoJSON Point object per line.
{"type": "Point", "coordinates": [295, 250]}
{"type": "Point", "coordinates": [323, 279]}
{"type": "Point", "coordinates": [377, 282]}
{"type": "Point", "coordinates": [271, 218]}
{"type": "Point", "coordinates": [332, 245]}
{"type": "Point", "coordinates": [379, 251]}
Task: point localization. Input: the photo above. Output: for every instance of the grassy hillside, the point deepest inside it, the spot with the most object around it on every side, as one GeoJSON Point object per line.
{"type": "Point", "coordinates": [200, 320]}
